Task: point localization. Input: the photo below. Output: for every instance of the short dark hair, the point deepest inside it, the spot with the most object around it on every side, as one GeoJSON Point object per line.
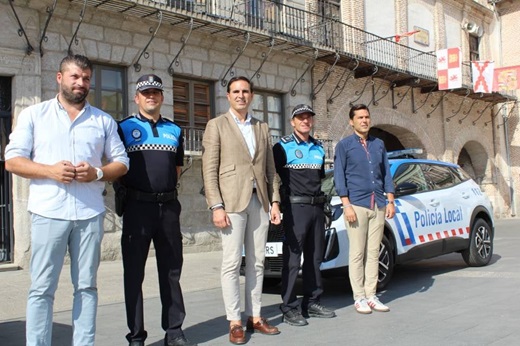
{"type": "Point", "coordinates": [356, 108]}
{"type": "Point", "coordinates": [79, 60]}
{"type": "Point", "coordinates": [234, 79]}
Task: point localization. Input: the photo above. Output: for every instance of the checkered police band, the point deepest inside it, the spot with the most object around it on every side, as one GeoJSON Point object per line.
{"type": "Point", "coordinates": [149, 81]}
{"type": "Point", "coordinates": [300, 109]}
{"type": "Point", "coordinates": [142, 147]}
{"type": "Point", "coordinates": [304, 166]}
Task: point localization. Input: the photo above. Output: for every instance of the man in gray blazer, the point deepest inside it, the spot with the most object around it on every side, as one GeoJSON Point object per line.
{"type": "Point", "coordinates": [240, 181]}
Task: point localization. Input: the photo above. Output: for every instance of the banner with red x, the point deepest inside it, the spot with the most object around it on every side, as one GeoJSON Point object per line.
{"type": "Point", "coordinates": [482, 73]}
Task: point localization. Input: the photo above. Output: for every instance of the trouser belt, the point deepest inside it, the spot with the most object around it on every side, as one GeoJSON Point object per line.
{"type": "Point", "coordinates": [158, 197]}
{"type": "Point", "coordinates": [308, 199]}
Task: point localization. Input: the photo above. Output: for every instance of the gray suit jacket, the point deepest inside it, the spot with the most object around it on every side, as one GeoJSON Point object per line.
{"type": "Point", "coordinates": [229, 170]}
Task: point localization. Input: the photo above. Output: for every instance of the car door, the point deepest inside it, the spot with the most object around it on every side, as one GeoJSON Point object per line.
{"type": "Point", "coordinates": [455, 216]}
{"type": "Point", "coordinates": [417, 215]}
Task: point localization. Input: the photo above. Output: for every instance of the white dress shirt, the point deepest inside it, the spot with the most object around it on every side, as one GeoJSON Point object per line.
{"type": "Point", "coordinates": [247, 132]}
{"type": "Point", "coordinates": [45, 134]}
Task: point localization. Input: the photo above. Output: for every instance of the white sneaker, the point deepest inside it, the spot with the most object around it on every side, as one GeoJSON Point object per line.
{"type": "Point", "coordinates": [362, 307]}
{"type": "Point", "coordinates": [376, 305]}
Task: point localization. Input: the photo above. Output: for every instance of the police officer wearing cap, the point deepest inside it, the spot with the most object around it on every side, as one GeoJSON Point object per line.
{"type": "Point", "coordinates": [299, 160]}
{"type": "Point", "coordinates": [156, 152]}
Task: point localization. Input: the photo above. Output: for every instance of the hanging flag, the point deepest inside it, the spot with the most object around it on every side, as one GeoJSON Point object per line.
{"type": "Point", "coordinates": [449, 72]}
{"type": "Point", "coordinates": [482, 73]}
{"type": "Point", "coordinates": [506, 79]}
{"type": "Point", "coordinates": [406, 34]}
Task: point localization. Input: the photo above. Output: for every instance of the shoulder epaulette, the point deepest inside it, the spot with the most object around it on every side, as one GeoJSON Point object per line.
{"type": "Point", "coordinates": [126, 118]}
{"type": "Point", "coordinates": [316, 141]}
{"type": "Point", "coordinates": [287, 139]}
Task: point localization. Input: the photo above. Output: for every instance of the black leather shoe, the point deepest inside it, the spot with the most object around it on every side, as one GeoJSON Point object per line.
{"type": "Point", "coordinates": [317, 310]}
{"type": "Point", "coordinates": [178, 341]}
{"type": "Point", "coordinates": [294, 318]}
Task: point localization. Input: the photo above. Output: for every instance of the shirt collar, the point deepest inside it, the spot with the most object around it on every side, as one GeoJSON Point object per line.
{"type": "Point", "coordinates": [143, 118]}
{"type": "Point", "coordinates": [248, 117]}
{"type": "Point", "coordinates": [298, 140]}
{"type": "Point", "coordinates": [369, 138]}
{"type": "Point", "coordinates": [85, 106]}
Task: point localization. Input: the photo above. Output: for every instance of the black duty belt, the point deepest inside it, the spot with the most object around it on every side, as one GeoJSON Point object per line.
{"type": "Point", "coordinates": [308, 199]}
{"type": "Point", "coordinates": [157, 197]}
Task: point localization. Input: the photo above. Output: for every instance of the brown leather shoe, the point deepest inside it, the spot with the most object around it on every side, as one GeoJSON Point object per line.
{"type": "Point", "coordinates": [261, 326]}
{"type": "Point", "coordinates": [237, 335]}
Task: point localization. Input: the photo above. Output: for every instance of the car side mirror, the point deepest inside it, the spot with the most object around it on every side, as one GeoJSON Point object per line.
{"type": "Point", "coordinates": [405, 188]}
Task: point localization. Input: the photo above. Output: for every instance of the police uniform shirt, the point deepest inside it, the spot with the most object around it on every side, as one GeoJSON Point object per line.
{"type": "Point", "coordinates": [300, 165]}
{"type": "Point", "coordinates": [155, 150]}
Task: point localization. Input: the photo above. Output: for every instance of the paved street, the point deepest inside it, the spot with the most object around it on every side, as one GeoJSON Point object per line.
{"type": "Point", "coordinates": [433, 302]}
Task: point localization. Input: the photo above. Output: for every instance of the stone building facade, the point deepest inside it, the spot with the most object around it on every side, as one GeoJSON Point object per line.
{"type": "Point", "coordinates": [508, 16]}
{"type": "Point", "coordinates": [447, 126]}
{"type": "Point", "coordinates": [202, 42]}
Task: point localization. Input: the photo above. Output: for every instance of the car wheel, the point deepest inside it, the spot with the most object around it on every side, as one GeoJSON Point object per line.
{"type": "Point", "coordinates": [386, 263]}
{"type": "Point", "coordinates": [480, 248]}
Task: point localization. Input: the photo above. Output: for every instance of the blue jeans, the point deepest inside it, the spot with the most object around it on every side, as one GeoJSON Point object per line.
{"type": "Point", "coordinates": [50, 239]}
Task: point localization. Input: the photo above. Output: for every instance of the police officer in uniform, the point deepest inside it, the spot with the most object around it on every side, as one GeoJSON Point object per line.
{"type": "Point", "coordinates": [155, 148]}
{"type": "Point", "coordinates": [299, 160]}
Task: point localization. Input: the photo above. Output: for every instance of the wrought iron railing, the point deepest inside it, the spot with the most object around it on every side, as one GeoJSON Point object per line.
{"type": "Point", "coordinates": [193, 142]}
{"type": "Point", "coordinates": [313, 29]}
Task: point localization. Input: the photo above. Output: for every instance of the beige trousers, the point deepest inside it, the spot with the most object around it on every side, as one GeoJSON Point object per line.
{"type": "Point", "coordinates": [365, 235]}
{"type": "Point", "coordinates": [248, 231]}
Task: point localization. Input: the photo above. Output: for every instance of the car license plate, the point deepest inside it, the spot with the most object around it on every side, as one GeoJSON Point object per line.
{"type": "Point", "coordinates": [273, 249]}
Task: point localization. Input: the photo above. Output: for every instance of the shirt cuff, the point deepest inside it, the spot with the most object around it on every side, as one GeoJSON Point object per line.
{"type": "Point", "coordinates": [217, 206]}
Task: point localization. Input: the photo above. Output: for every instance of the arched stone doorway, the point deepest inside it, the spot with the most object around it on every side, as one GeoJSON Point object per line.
{"type": "Point", "coordinates": [396, 138]}
{"type": "Point", "coordinates": [474, 159]}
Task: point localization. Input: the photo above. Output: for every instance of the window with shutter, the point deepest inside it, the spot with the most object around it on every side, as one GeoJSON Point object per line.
{"type": "Point", "coordinates": [108, 90]}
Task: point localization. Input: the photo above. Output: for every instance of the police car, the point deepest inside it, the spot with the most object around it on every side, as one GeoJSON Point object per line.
{"type": "Point", "coordinates": [439, 210]}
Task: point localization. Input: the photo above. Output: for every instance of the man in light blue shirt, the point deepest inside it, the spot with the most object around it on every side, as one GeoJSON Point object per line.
{"type": "Point", "coordinates": [59, 144]}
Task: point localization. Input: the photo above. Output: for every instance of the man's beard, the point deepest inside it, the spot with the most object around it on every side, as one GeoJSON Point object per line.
{"type": "Point", "coordinates": [72, 97]}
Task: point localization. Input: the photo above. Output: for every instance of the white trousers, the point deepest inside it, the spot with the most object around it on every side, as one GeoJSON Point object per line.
{"type": "Point", "coordinates": [248, 231]}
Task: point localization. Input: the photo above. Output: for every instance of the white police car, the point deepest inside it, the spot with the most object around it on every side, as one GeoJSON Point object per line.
{"type": "Point", "coordinates": [439, 210]}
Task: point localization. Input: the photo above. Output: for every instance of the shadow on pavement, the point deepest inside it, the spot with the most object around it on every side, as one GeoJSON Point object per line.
{"type": "Point", "coordinates": [420, 276]}
{"type": "Point", "coordinates": [13, 334]}
{"type": "Point", "coordinates": [218, 327]}
{"type": "Point", "coordinates": [410, 278]}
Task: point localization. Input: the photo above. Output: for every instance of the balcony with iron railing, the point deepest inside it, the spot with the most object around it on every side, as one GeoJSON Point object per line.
{"type": "Point", "coordinates": [298, 31]}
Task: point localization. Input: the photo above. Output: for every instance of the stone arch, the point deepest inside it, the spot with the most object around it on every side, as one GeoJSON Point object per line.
{"type": "Point", "coordinates": [411, 134]}
{"type": "Point", "coordinates": [390, 133]}
{"type": "Point", "coordinates": [391, 141]}
{"type": "Point", "coordinates": [474, 158]}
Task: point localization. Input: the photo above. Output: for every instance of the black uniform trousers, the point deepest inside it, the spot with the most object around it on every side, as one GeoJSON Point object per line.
{"type": "Point", "coordinates": [304, 231]}
{"type": "Point", "coordinates": [142, 223]}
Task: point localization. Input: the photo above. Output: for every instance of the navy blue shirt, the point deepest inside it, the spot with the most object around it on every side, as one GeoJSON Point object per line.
{"type": "Point", "coordinates": [300, 165]}
{"type": "Point", "coordinates": [362, 174]}
{"type": "Point", "coordinates": [155, 150]}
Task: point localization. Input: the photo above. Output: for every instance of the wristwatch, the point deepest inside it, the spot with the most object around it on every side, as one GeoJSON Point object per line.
{"type": "Point", "coordinates": [99, 173]}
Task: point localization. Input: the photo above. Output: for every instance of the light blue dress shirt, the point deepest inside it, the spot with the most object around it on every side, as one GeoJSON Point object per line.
{"type": "Point", "coordinates": [45, 134]}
